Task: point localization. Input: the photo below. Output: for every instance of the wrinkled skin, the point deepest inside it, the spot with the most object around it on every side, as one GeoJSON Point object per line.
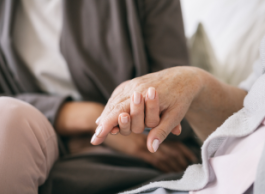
{"type": "Point", "coordinates": [205, 102]}
{"type": "Point", "coordinates": [176, 88]}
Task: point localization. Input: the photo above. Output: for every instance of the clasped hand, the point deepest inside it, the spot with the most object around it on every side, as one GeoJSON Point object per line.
{"type": "Point", "coordinates": [158, 101]}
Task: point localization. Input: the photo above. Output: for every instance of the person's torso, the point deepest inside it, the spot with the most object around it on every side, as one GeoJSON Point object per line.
{"type": "Point", "coordinates": [37, 31]}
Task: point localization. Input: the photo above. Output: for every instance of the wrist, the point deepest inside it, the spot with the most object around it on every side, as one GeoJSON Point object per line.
{"type": "Point", "coordinates": [202, 87]}
{"type": "Point", "coordinates": [195, 87]}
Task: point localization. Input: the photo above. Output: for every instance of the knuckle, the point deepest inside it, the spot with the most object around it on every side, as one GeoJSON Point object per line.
{"type": "Point", "coordinates": [162, 133]}
{"type": "Point", "coordinates": [152, 122]}
{"type": "Point", "coordinates": [110, 106]}
{"type": "Point", "coordinates": [151, 107]}
{"type": "Point", "coordinates": [137, 84]}
{"type": "Point", "coordinates": [124, 126]}
{"type": "Point", "coordinates": [138, 129]}
{"type": "Point", "coordinates": [117, 107]}
{"type": "Point", "coordinates": [125, 132]}
{"type": "Point", "coordinates": [135, 112]}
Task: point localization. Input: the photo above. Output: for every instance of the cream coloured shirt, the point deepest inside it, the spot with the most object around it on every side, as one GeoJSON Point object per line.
{"type": "Point", "coordinates": [37, 31]}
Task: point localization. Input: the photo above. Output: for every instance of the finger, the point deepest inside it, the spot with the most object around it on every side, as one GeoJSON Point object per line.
{"type": "Point", "coordinates": [137, 113]}
{"type": "Point", "coordinates": [98, 120]}
{"type": "Point", "coordinates": [152, 117]}
{"type": "Point", "coordinates": [158, 134]}
{"type": "Point", "coordinates": [97, 140]}
{"type": "Point", "coordinates": [109, 119]}
{"type": "Point", "coordinates": [177, 130]}
{"type": "Point", "coordinates": [124, 124]}
{"type": "Point", "coordinates": [115, 131]}
{"type": "Point", "coordinates": [188, 153]}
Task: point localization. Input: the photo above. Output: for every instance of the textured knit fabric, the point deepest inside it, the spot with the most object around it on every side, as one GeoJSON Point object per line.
{"type": "Point", "coordinates": [240, 124]}
{"type": "Point", "coordinates": [235, 164]}
{"type": "Point", "coordinates": [103, 42]}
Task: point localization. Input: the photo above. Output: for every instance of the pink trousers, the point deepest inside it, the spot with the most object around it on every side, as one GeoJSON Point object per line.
{"type": "Point", "coordinates": [28, 147]}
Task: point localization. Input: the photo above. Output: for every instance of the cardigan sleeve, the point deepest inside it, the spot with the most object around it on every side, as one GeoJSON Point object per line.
{"type": "Point", "coordinates": [46, 104]}
{"type": "Point", "coordinates": [163, 33]}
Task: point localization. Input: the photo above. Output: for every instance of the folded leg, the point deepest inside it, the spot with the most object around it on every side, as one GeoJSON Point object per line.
{"type": "Point", "coordinates": [28, 147]}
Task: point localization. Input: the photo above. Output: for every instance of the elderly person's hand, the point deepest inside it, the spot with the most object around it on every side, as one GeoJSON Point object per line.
{"type": "Point", "coordinates": [175, 91]}
{"type": "Point", "coordinates": [181, 91]}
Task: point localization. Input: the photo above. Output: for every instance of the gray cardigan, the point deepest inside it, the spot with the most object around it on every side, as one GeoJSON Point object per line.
{"type": "Point", "coordinates": [238, 125]}
{"type": "Point", "coordinates": [104, 43]}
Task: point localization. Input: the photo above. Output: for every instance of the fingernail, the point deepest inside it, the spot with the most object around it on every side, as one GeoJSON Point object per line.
{"type": "Point", "coordinates": [98, 119]}
{"type": "Point", "coordinates": [115, 133]}
{"type": "Point", "coordinates": [180, 129]}
{"type": "Point", "coordinates": [136, 98]}
{"type": "Point", "coordinates": [93, 138]}
{"type": "Point", "coordinates": [151, 93]}
{"type": "Point", "coordinates": [155, 145]}
{"type": "Point", "coordinates": [124, 119]}
{"type": "Point", "coordinates": [98, 130]}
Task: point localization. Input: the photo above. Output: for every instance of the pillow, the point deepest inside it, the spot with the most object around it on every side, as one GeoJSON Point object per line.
{"type": "Point", "coordinates": [201, 51]}
{"type": "Point", "coordinates": [234, 29]}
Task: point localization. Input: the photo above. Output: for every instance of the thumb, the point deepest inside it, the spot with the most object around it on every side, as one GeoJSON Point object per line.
{"type": "Point", "coordinates": [157, 135]}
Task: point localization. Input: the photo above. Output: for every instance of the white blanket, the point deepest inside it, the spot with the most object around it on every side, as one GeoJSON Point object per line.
{"type": "Point", "coordinates": [240, 124]}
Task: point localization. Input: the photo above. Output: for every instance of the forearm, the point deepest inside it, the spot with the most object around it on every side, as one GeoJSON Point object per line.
{"type": "Point", "coordinates": [213, 105]}
{"type": "Point", "coordinates": [78, 118]}
{"type": "Point", "coordinates": [183, 92]}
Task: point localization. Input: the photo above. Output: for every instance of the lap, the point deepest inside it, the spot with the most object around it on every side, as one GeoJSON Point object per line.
{"type": "Point", "coordinates": [28, 147]}
{"type": "Point", "coordinates": [101, 173]}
